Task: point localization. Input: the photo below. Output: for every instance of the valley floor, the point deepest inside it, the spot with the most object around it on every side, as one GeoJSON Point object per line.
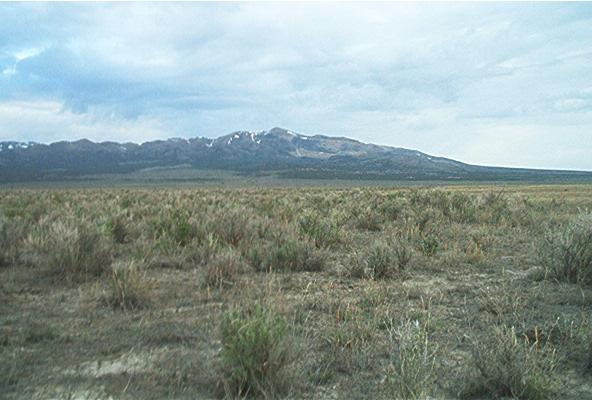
{"type": "Point", "coordinates": [443, 293]}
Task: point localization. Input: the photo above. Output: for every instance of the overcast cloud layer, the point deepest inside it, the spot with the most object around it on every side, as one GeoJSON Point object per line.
{"type": "Point", "coordinates": [497, 84]}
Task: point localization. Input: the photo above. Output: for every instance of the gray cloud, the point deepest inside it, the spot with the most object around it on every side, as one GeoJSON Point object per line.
{"type": "Point", "coordinates": [503, 84]}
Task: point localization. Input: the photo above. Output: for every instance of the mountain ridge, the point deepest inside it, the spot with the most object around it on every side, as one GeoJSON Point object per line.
{"type": "Point", "coordinates": [278, 150]}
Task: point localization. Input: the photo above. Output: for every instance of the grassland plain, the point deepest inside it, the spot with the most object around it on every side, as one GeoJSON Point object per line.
{"type": "Point", "coordinates": [398, 293]}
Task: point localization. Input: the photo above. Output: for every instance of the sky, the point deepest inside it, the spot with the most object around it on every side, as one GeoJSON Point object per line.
{"type": "Point", "coordinates": [506, 84]}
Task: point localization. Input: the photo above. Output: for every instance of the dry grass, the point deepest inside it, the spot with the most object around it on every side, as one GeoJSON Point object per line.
{"type": "Point", "coordinates": [508, 365]}
{"type": "Point", "coordinates": [304, 293]}
{"type": "Point", "coordinates": [71, 250]}
{"type": "Point", "coordinates": [223, 269]}
{"type": "Point", "coordinates": [128, 287]}
{"type": "Point", "coordinates": [411, 372]}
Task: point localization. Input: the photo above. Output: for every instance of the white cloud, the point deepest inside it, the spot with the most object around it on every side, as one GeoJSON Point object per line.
{"type": "Point", "coordinates": [507, 84]}
{"type": "Point", "coordinates": [528, 145]}
{"type": "Point", "coordinates": [51, 121]}
{"type": "Point", "coordinates": [23, 54]}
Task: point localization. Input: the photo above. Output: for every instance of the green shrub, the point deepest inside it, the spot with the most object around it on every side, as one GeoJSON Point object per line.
{"type": "Point", "coordinates": [497, 206]}
{"type": "Point", "coordinates": [4, 242]}
{"type": "Point", "coordinates": [378, 262]}
{"type": "Point", "coordinates": [12, 234]}
{"type": "Point", "coordinates": [15, 365]}
{"type": "Point", "coordinates": [37, 332]}
{"type": "Point", "coordinates": [427, 219]}
{"type": "Point", "coordinates": [410, 373]}
{"type": "Point", "coordinates": [566, 254]}
{"type": "Point", "coordinates": [348, 339]}
{"type": "Point", "coordinates": [506, 365]}
{"type": "Point", "coordinates": [256, 255]}
{"type": "Point", "coordinates": [323, 232]}
{"type": "Point", "coordinates": [289, 255]}
{"type": "Point", "coordinates": [286, 254]}
{"type": "Point", "coordinates": [463, 208]}
{"type": "Point", "coordinates": [168, 254]}
{"type": "Point", "coordinates": [255, 353]}
{"type": "Point", "coordinates": [231, 226]}
{"type": "Point", "coordinates": [207, 249]}
{"type": "Point", "coordinates": [403, 254]}
{"type": "Point", "coordinates": [369, 220]}
{"type": "Point", "coordinates": [357, 267]}
{"type": "Point", "coordinates": [175, 227]}
{"type": "Point", "coordinates": [429, 245]}
{"type": "Point", "coordinates": [117, 229]}
{"type": "Point", "coordinates": [393, 207]}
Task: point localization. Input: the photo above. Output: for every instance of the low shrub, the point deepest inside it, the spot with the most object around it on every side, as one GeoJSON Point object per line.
{"type": "Point", "coordinates": [474, 252]}
{"type": "Point", "coordinates": [410, 373]}
{"type": "Point", "coordinates": [369, 220]}
{"type": "Point", "coordinates": [222, 270]}
{"type": "Point", "coordinates": [356, 268]}
{"type": "Point", "coordinates": [429, 245]}
{"type": "Point", "coordinates": [207, 249]}
{"type": "Point", "coordinates": [427, 219]}
{"type": "Point", "coordinates": [463, 208]}
{"type": "Point", "coordinates": [12, 233]}
{"type": "Point", "coordinates": [73, 251]}
{"type": "Point", "coordinates": [403, 254]}
{"type": "Point", "coordinates": [4, 242]}
{"type": "Point", "coordinates": [37, 332]}
{"type": "Point", "coordinates": [169, 254]}
{"type": "Point", "coordinates": [394, 206]}
{"type": "Point", "coordinates": [255, 354]}
{"type": "Point", "coordinates": [380, 261]}
{"type": "Point", "coordinates": [566, 254]}
{"type": "Point", "coordinates": [348, 339]}
{"type": "Point", "coordinates": [231, 226]}
{"type": "Point", "coordinates": [322, 231]}
{"type": "Point", "coordinates": [286, 254]}
{"type": "Point", "coordinates": [506, 365]}
{"type": "Point", "coordinates": [128, 287]}
{"type": "Point", "coordinates": [178, 228]}
{"type": "Point", "coordinates": [497, 207]}
{"type": "Point", "coordinates": [117, 228]}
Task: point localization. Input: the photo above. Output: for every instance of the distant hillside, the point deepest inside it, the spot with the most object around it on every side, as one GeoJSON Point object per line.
{"type": "Point", "coordinates": [281, 151]}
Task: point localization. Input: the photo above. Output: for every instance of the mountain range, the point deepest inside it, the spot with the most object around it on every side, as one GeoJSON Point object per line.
{"type": "Point", "coordinates": [278, 151]}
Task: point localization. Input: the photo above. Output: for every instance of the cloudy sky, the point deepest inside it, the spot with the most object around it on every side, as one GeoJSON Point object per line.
{"type": "Point", "coordinates": [499, 84]}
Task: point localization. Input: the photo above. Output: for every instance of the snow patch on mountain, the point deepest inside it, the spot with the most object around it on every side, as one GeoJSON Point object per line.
{"type": "Point", "coordinates": [15, 145]}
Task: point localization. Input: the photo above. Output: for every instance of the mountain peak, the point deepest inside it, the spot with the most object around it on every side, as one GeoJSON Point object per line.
{"type": "Point", "coordinates": [283, 133]}
{"type": "Point", "coordinates": [277, 130]}
{"type": "Point", "coordinates": [276, 151]}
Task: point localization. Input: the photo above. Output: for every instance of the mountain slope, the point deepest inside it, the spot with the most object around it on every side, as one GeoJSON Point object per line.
{"type": "Point", "coordinates": [278, 150]}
